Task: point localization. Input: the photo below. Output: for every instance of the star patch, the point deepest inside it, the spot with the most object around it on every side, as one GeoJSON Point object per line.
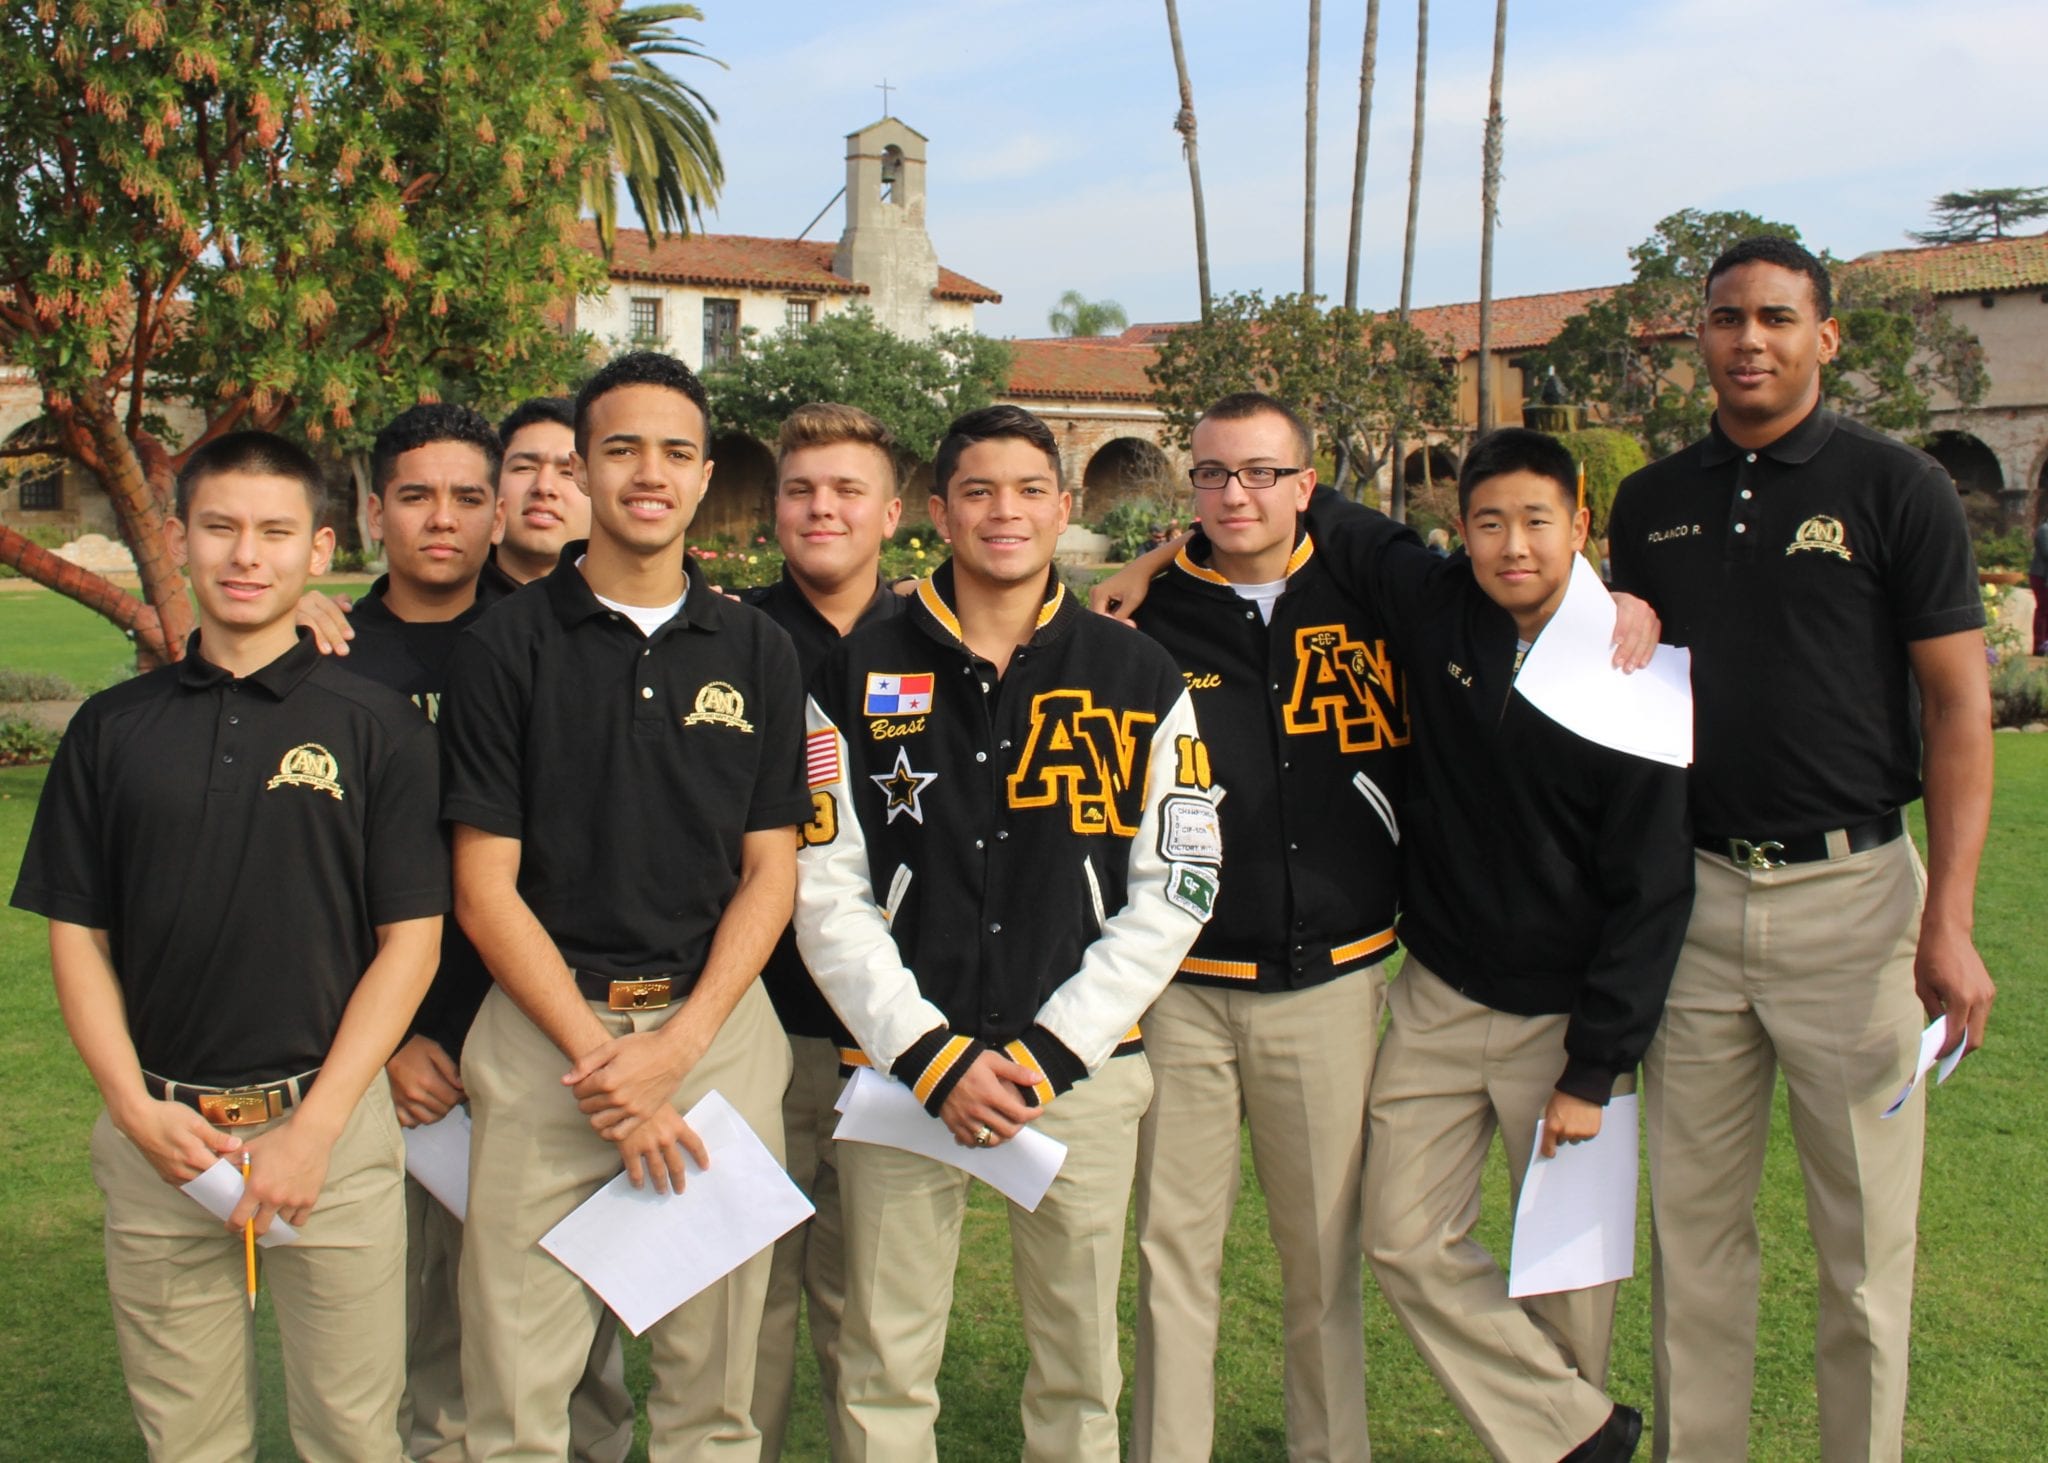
{"type": "Point", "coordinates": [904, 786]}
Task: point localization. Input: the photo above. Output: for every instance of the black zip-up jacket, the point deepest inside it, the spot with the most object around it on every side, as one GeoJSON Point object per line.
{"type": "Point", "coordinates": [1014, 862]}
{"type": "Point", "coordinates": [1307, 726]}
{"type": "Point", "coordinates": [1545, 874]}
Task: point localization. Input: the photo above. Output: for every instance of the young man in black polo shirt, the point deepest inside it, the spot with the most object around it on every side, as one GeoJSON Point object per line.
{"type": "Point", "coordinates": [1013, 843]}
{"type": "Point", "coordinates": [244, 882]}
{"type": "Point", "coordinates": [545, 507]}
{"type": "Point", "coordinates": [837, 502]}
{"type": "Point", "coordinates": [1273, 1017]}
{"type": "Point", "coordinates": [624, 779]}
{"type": "Point", "coordinates": [1822, 576]}
{"type": "Point", "coordinates": [435, 507]}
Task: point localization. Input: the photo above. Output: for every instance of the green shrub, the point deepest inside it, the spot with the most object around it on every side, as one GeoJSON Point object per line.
{"type": "Point", "coordinates": [1607, 456]}
{"type": "Point", "coordinates": [1128, 526]}
{"type": "Point", "coordinates": [2019, 694]}
{"type": "Point", "coordinates": [24, 741]}
{"type": "Point", "coordinates": [2013, 549]}
{"type": "Point", "coordinates": [34, 686]}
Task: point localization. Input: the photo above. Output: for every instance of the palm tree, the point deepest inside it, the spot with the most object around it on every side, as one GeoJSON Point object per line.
{"type": "Point", "coordinates": [1489, 206]}
{"type": "Point", "coordinates": [1308, 189]}
{"type": "Point", "coordinates": [1365, 76]}
{"type": "Point", "coordinates": [1184, 124]}
{"type": "Point", "coordinates": [659, 126]}
{"type": "Point", "coordinates": [1079, 316]}
{"type": "Point", "coordinates": [1397, 503]}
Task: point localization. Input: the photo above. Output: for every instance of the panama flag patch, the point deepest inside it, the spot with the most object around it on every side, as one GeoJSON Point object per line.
{"type": "Point", "coordinates": [898, 695]}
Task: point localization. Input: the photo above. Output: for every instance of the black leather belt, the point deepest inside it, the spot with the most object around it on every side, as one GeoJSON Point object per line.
{"type": "Point", "coordinates": [234, 1107]}
{"type": "Point", "coordinates": [1805, 848]}
{"type": "Point", "coordinates": [648, 993]}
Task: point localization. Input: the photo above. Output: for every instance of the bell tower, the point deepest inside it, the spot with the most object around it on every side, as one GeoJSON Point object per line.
{"type": "Point", "coordinates": [885, 246]}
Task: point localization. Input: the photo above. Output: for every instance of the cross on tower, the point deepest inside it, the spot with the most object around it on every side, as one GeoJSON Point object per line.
{"type": "Point", "coordinates": [884, 88]}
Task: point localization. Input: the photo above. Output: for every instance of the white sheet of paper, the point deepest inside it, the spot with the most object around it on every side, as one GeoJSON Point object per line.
{"type": "Point", "coordinates": [881, 1110]}
{"type": "Point", "coordinates": [219, 1190]}
{"type": "Point", "coordinates": [645, 1252]}
{"type": "Point", "coordinates": [1930, 1047]}
{"type": "Point", "coordinates": [1569, 676]}
{"type": "Point", "coordinates": [437, 1155]}
{"type": "Point", "coordinates": [1576, 1223]}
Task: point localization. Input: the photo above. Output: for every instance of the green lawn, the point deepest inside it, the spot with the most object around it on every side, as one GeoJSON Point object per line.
{"type": "Point", "coordinates": [44, 633]}
{"type": "Point", "coordinates": [1980, 1376]}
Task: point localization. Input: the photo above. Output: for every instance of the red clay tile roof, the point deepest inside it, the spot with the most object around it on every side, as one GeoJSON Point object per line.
{"type": "Point", "coordinates": [741, 261]}
{"type": "Point", "coordinates": [1520, 322]}
{"type": "Point", "coordinates": [1984, 267]}
{"type": "Point", "coordinates": [1084, 370]}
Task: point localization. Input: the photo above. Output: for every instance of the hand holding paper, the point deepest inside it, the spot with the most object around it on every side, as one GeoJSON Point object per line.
{"type": "Point", "coordinates": [437, 1156]}
{"type": "Point", "coordinates": [878, 1109]}
{"type": "Point", "coordinates": [1930, 1049]}
{"type": "Point", "coordinates": [219, 1190]}
{"type": "Point", "coordinates": [1575, 1225]}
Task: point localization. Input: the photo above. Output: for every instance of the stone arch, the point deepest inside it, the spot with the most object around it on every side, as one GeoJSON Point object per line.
{"type": "Point", "coordinates": [1978, 477]}
{"type": "Point", "coordinates": [741, 498]}
{"type": "Point", "coordinates": [1443, 466]}
{"type": "Point", "coordinates": [1127, 469]}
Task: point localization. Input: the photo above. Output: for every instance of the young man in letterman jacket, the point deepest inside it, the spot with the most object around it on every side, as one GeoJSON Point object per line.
{"type": "Point", "coordinates": [1013, 843]}
{"type": "Point", "coordinates": [1273, 1017]}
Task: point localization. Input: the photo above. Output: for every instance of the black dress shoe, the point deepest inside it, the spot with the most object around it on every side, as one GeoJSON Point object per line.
{"type": "Point", "coordinates": [1614, 1443]}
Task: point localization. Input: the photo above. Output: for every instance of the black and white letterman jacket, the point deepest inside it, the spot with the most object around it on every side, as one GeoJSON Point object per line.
{"type": "Point", "coordinates": [1307, 726]}
{"type": "Point", "coordinates": [1014, 862]}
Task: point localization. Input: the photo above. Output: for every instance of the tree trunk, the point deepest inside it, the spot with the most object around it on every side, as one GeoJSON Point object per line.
{"type": "Point", "coordinates": [1365, 71]}
{"type": "Point", "coordinates": [1308, 185]}
{"type": "Point", "coordinates": [1184, 124]}
{"type": "Point", "coordinates": [1397, 495]}
{"type": "Point", "coordinates": [1489, 206]}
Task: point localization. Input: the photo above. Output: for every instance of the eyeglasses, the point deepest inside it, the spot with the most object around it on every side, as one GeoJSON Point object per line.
{"type": "Point", "coordinates": [1211, 479]}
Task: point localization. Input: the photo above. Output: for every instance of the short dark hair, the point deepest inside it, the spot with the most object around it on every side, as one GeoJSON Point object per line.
{"type": "Point", "coordinates": [426, 424]}
{"type": "Point", "coordinates": [251, 452]}
{"type": "Point", "coordinates": [1239, 405]}
{"type": "Point", "coordinates": [640, 368]}
{"type": "Point", "coordinates": [990, 424]}
{"type": "Point", "coordinates": [1783, 252]}
{"type": "Point", "coordinates": [1517, 449]}
{"type": "Point", "coordinates": [558, 409]}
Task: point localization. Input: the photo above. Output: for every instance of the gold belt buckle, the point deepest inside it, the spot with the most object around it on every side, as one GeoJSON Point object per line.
{"type": "Point", "coordinates": [1756, 855]}
{"type": "Point", "coordinates": [240, 1107]}
{"type": "Point", "coordinates": [639, 995]}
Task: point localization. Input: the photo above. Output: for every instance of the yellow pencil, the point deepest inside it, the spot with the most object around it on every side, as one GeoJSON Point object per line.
{"type": "Point", "coordinates": [249, 1238]}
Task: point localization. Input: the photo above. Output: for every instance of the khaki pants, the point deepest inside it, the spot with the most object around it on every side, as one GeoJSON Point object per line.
{"type": "Point", "coordinates": [1809, 969]}
{"type": "Point", "coordinates": [1526, 1373]}
{"type": "Point", "coordinates": [431, 1418]}
{"type": "Point", "coordinates": [1296, 1065]}
{"type": "Point", "coordinates": [527, 1321]}
{"type": "Point", "coordinates": [810, 1260]}
{"type": "Point", "coordinates": [902, 1216]}
{"type": "Point", "coordinates": [181, 1312]}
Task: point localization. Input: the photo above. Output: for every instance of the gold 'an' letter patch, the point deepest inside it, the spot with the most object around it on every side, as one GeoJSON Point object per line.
{"type": "Point", "coordinates": [1087, 755]}
{"type": "Point", "coordinates": [307, 765]}
{"type": "Point", "coordinates": [1820, 534]}
{"type": "Point", "coordinates": [720, 705]}
{"type": "Point", "coordinates": [1346, 686]}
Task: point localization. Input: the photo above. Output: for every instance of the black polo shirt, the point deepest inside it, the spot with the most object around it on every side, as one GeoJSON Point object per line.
{"type": "Point", "coordinates": [1798, 574]}
{"type": "Point", "coordinates": [798, 1001]}
{"type": "Point", "coordinates": [629, 767]}
{"type": "Point", "coordinates": [411, 657]}
{"type": "Point", "coordinates": [240, 840]}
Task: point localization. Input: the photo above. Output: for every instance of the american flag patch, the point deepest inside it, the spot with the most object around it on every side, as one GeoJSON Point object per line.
{"type": "Point", "coordinates": [821, 758]}
{"type": "Point", "coordinates": [898, 695]}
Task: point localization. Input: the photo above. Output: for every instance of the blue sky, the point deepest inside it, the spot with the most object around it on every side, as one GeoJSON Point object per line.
{"type": "Point", "coordinates": [1053, 165]}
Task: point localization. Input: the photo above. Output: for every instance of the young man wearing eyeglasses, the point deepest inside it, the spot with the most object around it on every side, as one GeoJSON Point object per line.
{"type": "Point", "coordinates": [1274, 1014]}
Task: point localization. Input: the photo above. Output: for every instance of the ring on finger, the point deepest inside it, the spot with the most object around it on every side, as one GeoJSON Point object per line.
{"type": "Point", "coordinates": [984, 1136]}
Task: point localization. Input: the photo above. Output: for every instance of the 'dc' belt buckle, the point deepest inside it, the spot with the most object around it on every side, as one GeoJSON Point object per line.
{"type": "Point", "coordinates": [1756, 855]}
{"type": "Point", "coordinates": [639, 995]}
{"type": "Point", "coordinates": [240, 1107]}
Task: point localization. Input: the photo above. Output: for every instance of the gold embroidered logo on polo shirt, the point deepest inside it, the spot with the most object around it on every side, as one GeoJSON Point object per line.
{"type": "Point", "coordinates": [307, 765]}
{"type": "Point", "coordinates": [720, 704]}
{"type": "Point", "coordinates": [1822, 534]}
